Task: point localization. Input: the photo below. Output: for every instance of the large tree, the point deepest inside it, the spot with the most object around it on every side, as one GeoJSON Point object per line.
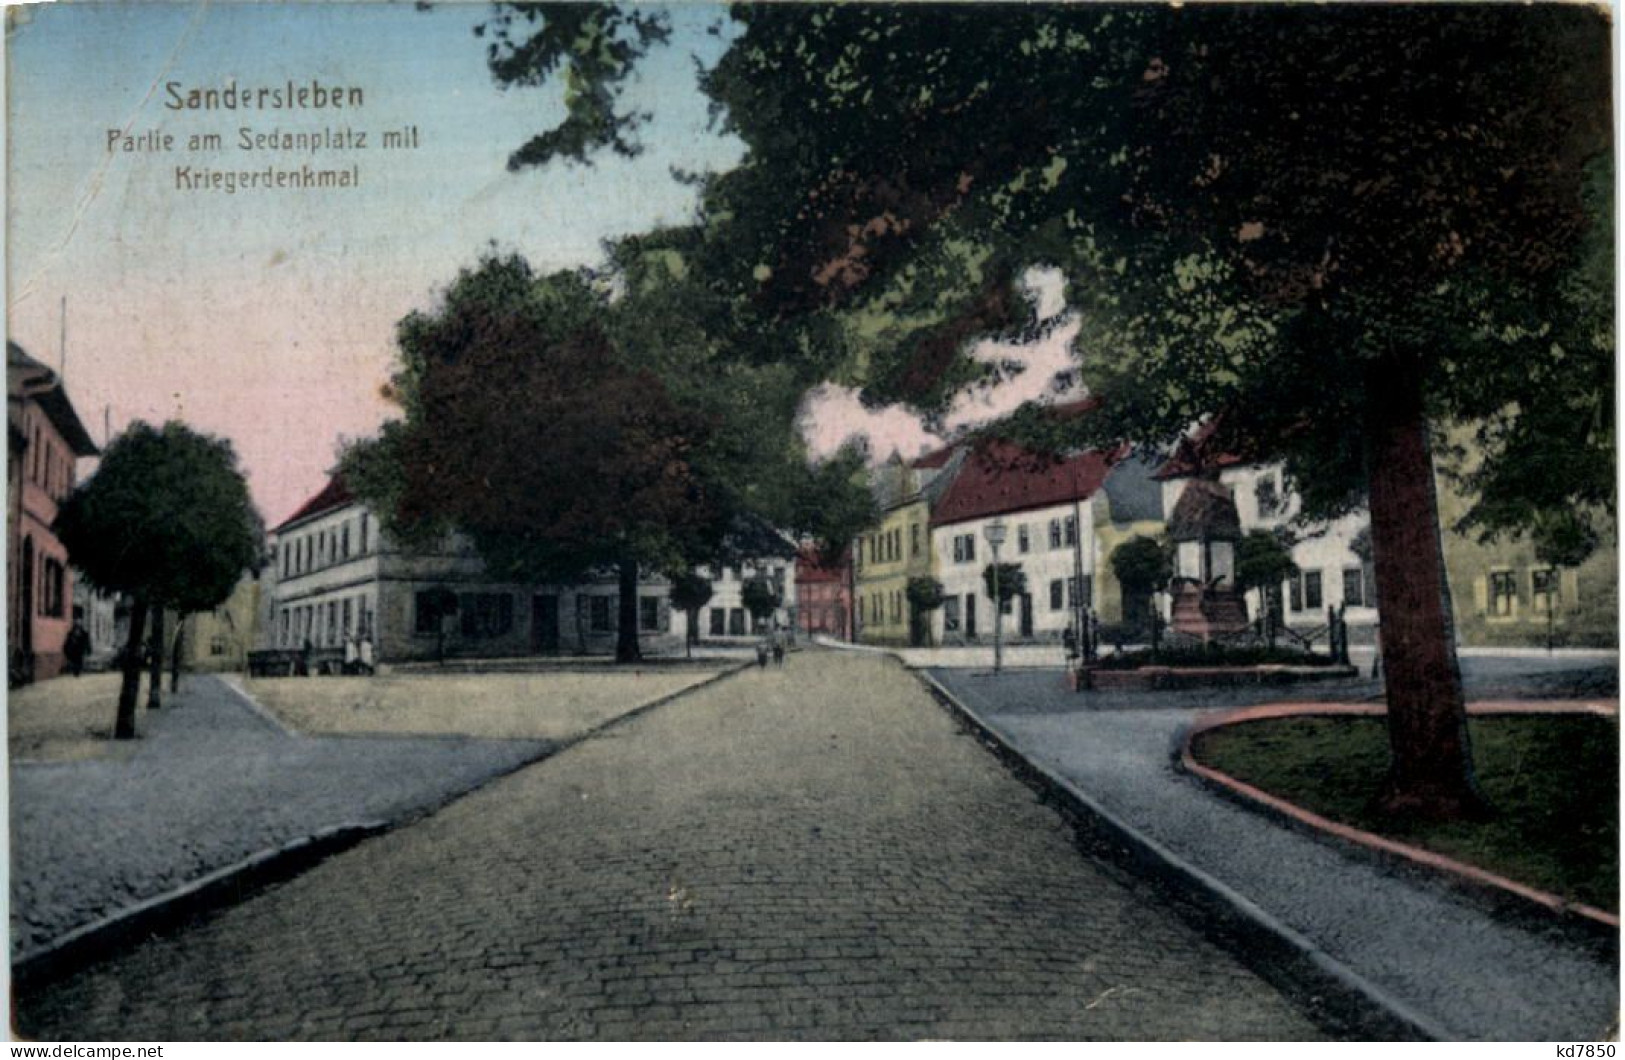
{"type": "Point", "coordinates": [166, 519]}
{"type": "Point", "coordinates": [1340, 226]}
{"type": "Point", "coordinates": [529, 430]}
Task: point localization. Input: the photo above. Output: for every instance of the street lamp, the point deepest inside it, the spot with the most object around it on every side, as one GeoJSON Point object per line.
{"type": "Point", "coordinates": [995, 532]}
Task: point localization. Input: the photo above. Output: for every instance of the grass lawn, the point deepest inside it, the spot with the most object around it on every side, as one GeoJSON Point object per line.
{"type": "Point", "coordinates": [67, 718]}
{"type": "Point", "coordinates": [548, 706]}
{"type": "Point", "coordinates": [1553, 782]}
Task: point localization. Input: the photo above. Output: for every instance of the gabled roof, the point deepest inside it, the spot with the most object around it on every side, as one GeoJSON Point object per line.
{"type": "Point", "coordinates": [332, 496]}
{"type": "Point", "coordinates": [28, 379]}
{"type": "Point", "coordinates": [999, 477]}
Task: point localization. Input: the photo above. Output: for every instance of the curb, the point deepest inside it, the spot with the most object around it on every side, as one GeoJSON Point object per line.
{"type": "Point", "coordinates": [1290, 961]}
{"type": "Point", "coordinates": [225, 886]}
{"type": "Point", "coordinates": [85, 944]}
{"type": "Point", "coordinates": [1258, 799]}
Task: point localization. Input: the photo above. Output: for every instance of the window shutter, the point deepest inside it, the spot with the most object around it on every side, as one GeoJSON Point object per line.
{"type": "Point", "coordinates": [1568, 591]}
{"type": "Point", "coordinates": [1481, 594]}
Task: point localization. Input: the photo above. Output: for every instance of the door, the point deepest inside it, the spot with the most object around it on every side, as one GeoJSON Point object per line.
{"type": "Point", "coordinates": [1026, 616]}
{"type": "Point", "coordinates": [970, 616]}
{"type": "Point", "coordinates": [544, 623]}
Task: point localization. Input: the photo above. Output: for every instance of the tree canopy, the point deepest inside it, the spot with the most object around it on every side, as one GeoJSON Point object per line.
{"type": "Point", "coordinates": [1340, 228]}
{"type": "Point", "coordinates": [166, 518]}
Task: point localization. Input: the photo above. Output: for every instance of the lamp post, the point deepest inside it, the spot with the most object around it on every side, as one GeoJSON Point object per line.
{"type": "Point", "coordinates": [995, 532]}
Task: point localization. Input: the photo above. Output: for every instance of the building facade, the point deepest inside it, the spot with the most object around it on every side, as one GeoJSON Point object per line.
{"type": "Point", "coordinates": [824, 594]}
{"type": "Point", "coordinates": [1046, 508]}
{"type": "Point", "coordinates": [46, 441]}
{"type": "Point", "coordinates": [899, 550]}
{"type": "Point", "coordinates": [338, 578]}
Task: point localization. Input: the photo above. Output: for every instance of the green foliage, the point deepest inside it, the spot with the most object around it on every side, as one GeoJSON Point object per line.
{"type": "Point", "coordinates": [166, 518]}
{"type": "Point", "coordinates": [1263, 561]}
{"type": "Point", "coordinates": [1142, 565]}
{"type": "Point", "coordinates": [925, 593]}
{"type": "Point", "coordinates": [832, 501]}
{"type": "Point", "coordinates": [760, 597]}
{"type": "Point", "coordinates": [595, 46]}
{"type": "Point", "coordinates": [1012, 581]}
{"type": "Point", "coordinates": [439, 603]}
{"type": "Point", "coordinates": [690, 591]}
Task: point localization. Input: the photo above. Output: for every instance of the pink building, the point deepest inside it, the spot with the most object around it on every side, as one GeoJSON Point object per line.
{"type": "Point", "coordinates": [45, 442]}
{"type": "Point", "coordinates": [823, 594]}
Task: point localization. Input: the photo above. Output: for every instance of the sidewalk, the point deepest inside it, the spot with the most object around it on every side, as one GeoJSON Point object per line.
{"type": "Point", "coordinates": [1432, 957]}
{"type": "Point", "coordinates": [211, 784]}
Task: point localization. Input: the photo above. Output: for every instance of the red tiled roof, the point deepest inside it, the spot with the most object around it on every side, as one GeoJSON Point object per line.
{"type": "Point", "coordinates": [1001, 477]}
{"type": "Point", "coordinates": [811, 566]}
{"type": "Point", "coordinates": [1202, 451]}
{"type": "Point", "coordinates": [333, 495]}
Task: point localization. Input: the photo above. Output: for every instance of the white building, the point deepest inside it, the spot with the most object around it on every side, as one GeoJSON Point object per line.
{"type": "Point", "coordinates": [752, 551]}
{"type": "Point", "coordinates": [335, 575]}
{"type": "Point", "coordinates": [1049, 518]}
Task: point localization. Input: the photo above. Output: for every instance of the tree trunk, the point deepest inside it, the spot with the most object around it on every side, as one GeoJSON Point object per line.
{"type": "Point", "coordinates": [626, 636]}
{"type": "Point", "coordinates": [175, 655]}
{"type": "Point", "coordinates": [1431, 775]}
{"type": "Point", "coordinates": [130, 686]}
{"type": "Point", "coordinates": [693, 631]}
{"type": "Point", "coordinates": [155, 676]}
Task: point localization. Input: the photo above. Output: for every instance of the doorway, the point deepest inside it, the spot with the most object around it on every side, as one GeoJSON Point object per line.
{"type": "Point", "coordinates": [544, 624]}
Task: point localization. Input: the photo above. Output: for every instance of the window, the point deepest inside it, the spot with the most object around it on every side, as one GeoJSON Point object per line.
{"type": "Point", "coordinates": [970, 614]}
{"type": "Point", "coordinates": [719, 621]}
{"type": "Point", "coordinates": [1055, 595]}
{"type": "Point", "coordinates": [1503, 592]}
{"type": "Point", "coordinates": [649, 613]}
{"type": "Point", "coordinates": [736, 622]}
{"type": "Point", "coordinates": [1545, 591]}
{"type": "Point", "coordinates": [485, 614]}
{"type": "Point", "coordinates": [346, 614]}
{"type": "Point", "coordinates": [361, 545]}
{"type": "Point", "coordinates": [332, 623]}
{"type": "Point", "coordinates": [1353, 587]}
{"type": "Point", "coordinates": [598, 614]}
{"type": "Point", "coordinates": [51, 603]}
{"type": "Point", "coordinates": [217, 645]}
{"type": "Point", "coordinates": [344, 542]}
{"type": "Point", "coordinates": [287, 628]}
{"type": "Point", "coordinates": [950, 614]}
{"type": "Point", "coordinates": [1024, 539]}
{"type": "Point", "coordinates": [1071, 530]}
{"type": "Point", "coordinates": [1311, 590]}
{"type": "Point", "coordinates": [1055, 533]}
{"type": "Point", "coordinates": [914, 539]}
{"type": "Point", "coordinates": [1295, 594]}
{"type": "Point", "coordinates": [964, 548]}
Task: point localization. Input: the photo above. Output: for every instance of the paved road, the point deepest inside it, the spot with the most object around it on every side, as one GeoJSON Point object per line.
{"type": "Point", "coordinates": [1462, 972]}
{"type": "Point", "coordinates": [814, 852]}
{"type": "Point", "coordinates": [211, 783]}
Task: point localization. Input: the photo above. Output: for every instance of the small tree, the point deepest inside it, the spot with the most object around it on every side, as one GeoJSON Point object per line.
{"type": "Point", "coordinates": [760, 597]}
{"type": "Point", "coordinates": [167, 518]}
{"type": "Point", "coordinates": [691, 591]}
{"type": "Point", "coordinates": [1142, 567]}
{"type": "Point", "coordinates": [1263, 562]}
{"type": "Point", "coordinates": [1010, 579]}
{"type": "Point", "coordinates": [925, 595]}
{"type": "Point", "coordinates": [1562, 540]}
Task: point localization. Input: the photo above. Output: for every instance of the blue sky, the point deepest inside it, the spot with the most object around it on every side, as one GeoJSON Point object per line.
{"type": "Point", "coordinates": [268, 316]}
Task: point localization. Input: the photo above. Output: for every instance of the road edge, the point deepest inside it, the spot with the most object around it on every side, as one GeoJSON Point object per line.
{"type": "Point", "coordinates": [1345, 1000]}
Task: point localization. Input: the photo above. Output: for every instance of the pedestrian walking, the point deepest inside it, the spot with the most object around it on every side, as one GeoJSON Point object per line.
{"type": "Point", "coordinates": [77, 646]}
{"type": "Point", "coordinates": [761, 656]}
{"type": "Point", "coordinates": [778, 653]}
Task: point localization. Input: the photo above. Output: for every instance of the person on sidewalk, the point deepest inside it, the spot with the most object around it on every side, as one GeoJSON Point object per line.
{"type": "Point", "coordinates": [77, 646]}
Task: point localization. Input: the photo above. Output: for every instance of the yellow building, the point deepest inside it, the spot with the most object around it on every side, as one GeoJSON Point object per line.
{"type": "Point", "coordinates": [886, 558]}
{"type": "Point", "coordinates": [220, 640]}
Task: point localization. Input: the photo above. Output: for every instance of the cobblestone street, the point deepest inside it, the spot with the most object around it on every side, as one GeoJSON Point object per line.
{"type": "Point", "coordinates": [815, 852]}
